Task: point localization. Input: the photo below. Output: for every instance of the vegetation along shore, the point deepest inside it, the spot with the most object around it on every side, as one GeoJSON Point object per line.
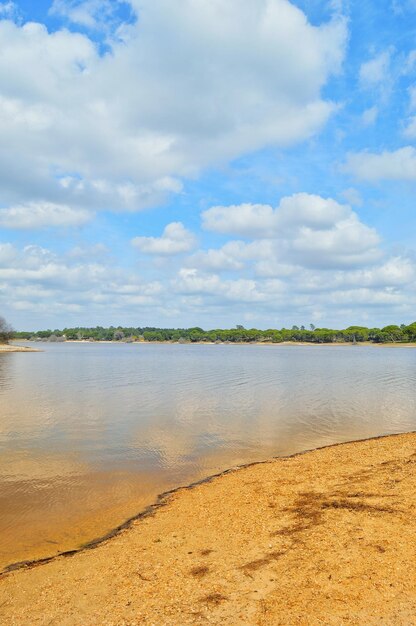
{"type": "Point", "coordinates": [6, 334]}
{"type": "Point", "coordinates": [324, 537]}
{"type": "Point", "coordinates": [353, 334]}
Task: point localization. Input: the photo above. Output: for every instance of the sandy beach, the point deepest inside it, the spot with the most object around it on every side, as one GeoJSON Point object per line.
{"type": "Point", "coordinates": [325, 537]}
{"type": "Point", "coordinates": [9, 347]}
{"type": "Point", "coordinates": [253, 343]}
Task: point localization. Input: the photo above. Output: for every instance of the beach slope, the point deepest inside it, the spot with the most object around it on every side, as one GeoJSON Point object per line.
{"type": "Point", "coordinates": [326, 537]}
{"type": "Point", "coordinates": [10, 347]}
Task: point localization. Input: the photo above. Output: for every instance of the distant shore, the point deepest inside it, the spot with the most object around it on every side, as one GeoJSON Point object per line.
{"type": "Point", "coordinates": [326, 536]}
{"type": "Point", "coordinates": [242, 343]}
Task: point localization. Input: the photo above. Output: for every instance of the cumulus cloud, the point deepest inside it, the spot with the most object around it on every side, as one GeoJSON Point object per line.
{"type": "Point", "coordinates": [192, 281]}
{"type": "Point", "coordinates": [262, 221]}
{"type": "Point", "coordinates": [49, 284]}
{"type": "Point", "coordinates": [305, 229]}
{"type": "Point", "coordinates": [42, 215]}
{"type": "Point", "coordinates": [310, 253]}
{"type": "Point", "coordinates": [175, 239]}
{"type": "Point", "coordinates": [7, 254]}
{"type": "Point", "coordinates": [389, 287]}
{"type": "Point", "coordinates": [310, 211]}
{"type": "Point", "coordinates": [387, 165]}
{"type": "Point", "coordinates": [230, 257]}
{"type": "Point", "coordinates": [191, 84]}
{"type": "Point", "coordinates": [348, 243]}
{"type": "Point", "coordinates": [186, 86]}
{"type": "Point", "coordinates": [395, 272]}
{"type": "Point", "coordinates": [247, 220]}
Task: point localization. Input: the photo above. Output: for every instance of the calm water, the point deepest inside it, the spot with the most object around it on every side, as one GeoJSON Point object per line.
{"type": "Point", "coordinates": [90, 433]}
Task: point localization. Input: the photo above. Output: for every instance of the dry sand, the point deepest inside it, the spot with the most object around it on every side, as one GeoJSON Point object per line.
{"type": "Point", "coordinates": [327, 537]}
{"type": "Point", "coordinates": [9, 347]}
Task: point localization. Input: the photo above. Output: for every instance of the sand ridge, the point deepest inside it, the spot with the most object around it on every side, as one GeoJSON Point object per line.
{"type": "Point", "coordinates": [9, 347]}
{"type": "Point", "coordinates": [327, 537]}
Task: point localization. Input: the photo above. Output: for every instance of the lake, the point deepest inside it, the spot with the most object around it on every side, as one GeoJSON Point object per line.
{"type": "Point", "coordinates": [91, 433]}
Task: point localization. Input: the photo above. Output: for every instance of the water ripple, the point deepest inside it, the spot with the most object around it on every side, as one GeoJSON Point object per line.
{"type": "Point", "coordinates": [91, 431]}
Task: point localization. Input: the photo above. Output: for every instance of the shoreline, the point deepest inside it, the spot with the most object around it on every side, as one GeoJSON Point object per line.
{"type": "Point", "coordinates": [6, 348]}
{"type": "Point", "coordinates": [130, 532]}
{"type": "Point", "coordinates": [162, 499]}
{"type": "Point", "coordinates": [236, 343]}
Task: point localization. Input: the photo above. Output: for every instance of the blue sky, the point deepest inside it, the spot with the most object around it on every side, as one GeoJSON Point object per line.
{"type": "Point", "coordinates": [207, 163]}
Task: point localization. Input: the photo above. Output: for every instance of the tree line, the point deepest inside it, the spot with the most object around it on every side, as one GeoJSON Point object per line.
{"type": "Point", "coordinates": [355, 334]}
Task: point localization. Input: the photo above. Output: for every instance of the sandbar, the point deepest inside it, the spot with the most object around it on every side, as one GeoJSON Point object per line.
{"type": "Point", "coordinates": [9, 347]}
{"type": "Point", "coordinates": [324, 537]}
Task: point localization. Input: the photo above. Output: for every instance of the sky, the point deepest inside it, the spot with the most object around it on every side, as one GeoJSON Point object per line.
{"type": "Point", "coordinates": [207, 163]}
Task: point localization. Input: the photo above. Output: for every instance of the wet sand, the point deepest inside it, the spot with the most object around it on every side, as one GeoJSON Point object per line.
{"type": "Point", "coordinates": [326, 537]}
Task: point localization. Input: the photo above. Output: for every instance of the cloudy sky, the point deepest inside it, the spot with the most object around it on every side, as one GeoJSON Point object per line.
{"type": "Point", "coordinates": [211, 163]}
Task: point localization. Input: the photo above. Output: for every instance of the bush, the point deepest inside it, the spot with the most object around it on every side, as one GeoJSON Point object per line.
{"type": "Point", "coordinates": [6, 331]}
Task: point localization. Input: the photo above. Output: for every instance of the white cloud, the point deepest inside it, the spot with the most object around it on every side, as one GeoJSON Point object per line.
{"type": "Point", "coordinates": [410, 62]}
{"type": "Point", "coordinates": [310, 211]}
{"type": "Point", "coordinates": [389, 287]}
{"type": "Point", "coordinates": [37, 280]}
{"type": "Point", "coordinates": [395, 165]}
{"type": "Point", "coordinates": [192, 84]}
{"type": "Point", "coordinates": [195, 282]}
{"type": "Point", "coordinates": [304, 229]}
{"type": "Point", "coordinates": [96, 250]}
{"type": "Point", "coordinates": [410, 131]}
{"type": "Point", "coordinates": [376, 70]}
{"type": "Point", "coordinates": [48, 286]}
{"type": "Point", "coordinates": [347, 244]}
{"type": "Point", "coordinates": [394, 272]}
{"type": "Point", "coordinates": [9, 10]}
{"type": "Point", "coordinates": [230, 257]}
{"type": "Point", "coordinates": [8, 254]}
{"type": "Point", "coordinates": [412, 95]}
{"type": "Point", "coordinates": [262, 221]}
{"type": "Point", "coordinates": [42, 215]}
{"type": "Point", "coordinates": [247, 220]}
{"type": "Point", "coordinates": [369, 116]}
{"type": "Point", "coordinates": [175, 239]}
{"type": "Point", "coordinates": [93, 14]}
{"type": "Point", "coordinates": [352, 196]}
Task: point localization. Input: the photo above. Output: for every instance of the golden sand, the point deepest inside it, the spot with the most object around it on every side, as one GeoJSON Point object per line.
{"type": "Point", "coordinates": [327, 537]}
{"type": "Point", "coordinates": [8, 347]}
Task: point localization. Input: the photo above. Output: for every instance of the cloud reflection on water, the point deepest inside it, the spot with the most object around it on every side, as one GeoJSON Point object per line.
{"type": "Point", "coordinates": [91, 433]}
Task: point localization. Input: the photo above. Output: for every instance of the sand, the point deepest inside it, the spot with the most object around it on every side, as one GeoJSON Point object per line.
{"type": "Point", "coordinates": [9, 347]}
{"type": "Point", "coordinates": [252, 343]}
{"type": "Point", "coordinates": [327, 537]}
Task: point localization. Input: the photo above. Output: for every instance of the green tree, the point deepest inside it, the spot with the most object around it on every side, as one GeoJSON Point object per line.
{"type": "Point", "coordinates": [411, 331]}
{"type": "Point", "coordinates": [393, 332]}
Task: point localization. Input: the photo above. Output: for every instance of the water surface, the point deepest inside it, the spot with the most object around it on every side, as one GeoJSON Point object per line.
{"type": "Point", "coordinates": [90, 433]}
